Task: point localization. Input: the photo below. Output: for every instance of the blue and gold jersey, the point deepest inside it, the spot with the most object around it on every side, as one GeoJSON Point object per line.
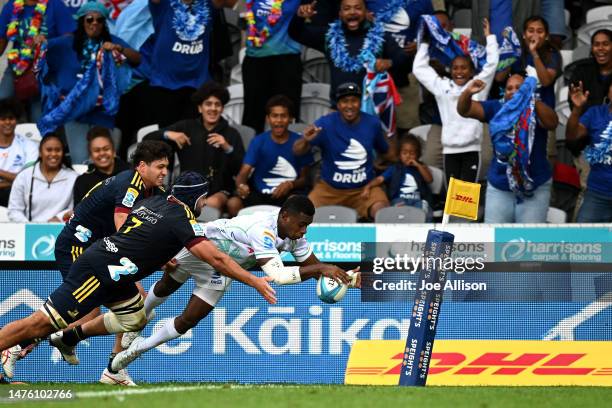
{"type": "Point", "coordinates": [94, 216]}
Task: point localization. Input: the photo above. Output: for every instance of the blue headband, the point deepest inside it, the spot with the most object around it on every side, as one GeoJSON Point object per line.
{"type": "Point", "coordinates": [91, 7]}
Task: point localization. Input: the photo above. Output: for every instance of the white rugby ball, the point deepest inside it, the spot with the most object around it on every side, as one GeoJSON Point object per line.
{"type": "Point", "coordinates": [330, 291]}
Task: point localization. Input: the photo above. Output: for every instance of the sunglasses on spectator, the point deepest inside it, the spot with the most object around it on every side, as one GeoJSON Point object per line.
{"type": "Point", "coordinates": [91, 19]}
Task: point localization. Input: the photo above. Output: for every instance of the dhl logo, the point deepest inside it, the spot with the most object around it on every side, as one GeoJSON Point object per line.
{"type": "Point", "coordinates": [464, 199]}
{"type": "Point", "coordinates": [499, 363]}
{"type": "Point", "coordinates": [487, 362]}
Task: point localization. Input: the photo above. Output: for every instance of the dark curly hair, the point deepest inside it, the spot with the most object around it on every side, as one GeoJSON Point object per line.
{"type": "Point", "coordinates": [80, 36]}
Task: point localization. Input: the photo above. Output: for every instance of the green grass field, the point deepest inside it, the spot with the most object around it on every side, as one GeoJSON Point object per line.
{"type": "Point", "coordinates": [337, 396]}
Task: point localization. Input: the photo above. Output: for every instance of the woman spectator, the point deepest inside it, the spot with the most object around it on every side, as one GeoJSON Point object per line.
{"type": "Point", "coordinates": [74, 98]}
{"type": "Point", "coordinates": [104, 162]}
{"type": "Point", "coordinates": [518, 193]}
{"type": "Point", "coordinates": [43, 192]}
{"type": "Point", "coordinates": [21, 21]}
{"type": "Point", "coordinates": [539, 53]}
{"type": "Point", "coordinates": [208, 145]}
{"type": "Point", "coordinates": [596, 125]}
{"type": "Point", "coordinates": [595, 72]}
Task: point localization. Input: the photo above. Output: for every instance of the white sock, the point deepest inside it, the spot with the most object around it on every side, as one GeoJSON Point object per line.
{"type": "Point", "coordinates": [152, 301]}
{"type": "Point", "coordinates": [163, 335]}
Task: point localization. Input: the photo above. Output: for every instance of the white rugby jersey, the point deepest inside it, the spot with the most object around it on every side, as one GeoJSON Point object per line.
{"type": "Point", "coordinates": [247, 238]}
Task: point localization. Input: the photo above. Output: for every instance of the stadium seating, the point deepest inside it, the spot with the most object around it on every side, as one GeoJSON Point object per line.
{"type": "Point", "coordinates": [143, 131]}
{"type": "Point", "coordinates": [599, 13]}
{"type": "Point", "coordinates": [462, 18]}
{"type": "Point", "coordinates": [315, 102]}
{"type": "Point", "coordinates": [246, 134]}
{"type": "Point", "coordinates": [400, 215]}
{"type": "Point", "coordinates": [256, 209]}
{"type": "Point", "coordinates": [585, 32]}
{"type": "Point", "coordinates": [438, 180]}
{"type": "Point", "coordinates": [316, 70]}
{"type": "Point", "coordinates": [297, 127]}
{"type": "Point", "coordinates": [556, 216]}
{"type": "Point", "coordinates": [421, 131]}
{"type": "Point", "coordinates": [334, 214]}
{"type": "Point", "coordinates": [29, 130]}
{"type": "Point", "coordinates": [232, 111]}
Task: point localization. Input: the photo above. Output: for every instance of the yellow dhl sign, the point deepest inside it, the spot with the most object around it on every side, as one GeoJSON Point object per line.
{"type": "Point", "coordinates": [487, 362]}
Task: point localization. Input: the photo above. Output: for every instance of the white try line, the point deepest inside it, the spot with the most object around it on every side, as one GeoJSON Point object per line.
{"type": "Point", "coordinates": [141, 391]}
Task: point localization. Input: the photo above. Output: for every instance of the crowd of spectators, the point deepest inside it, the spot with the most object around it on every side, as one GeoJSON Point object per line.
{"type": "Point", "coordinates": [90, 75]}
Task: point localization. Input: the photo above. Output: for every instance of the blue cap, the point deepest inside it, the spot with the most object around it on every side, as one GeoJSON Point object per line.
{"type": "Point", "coordinates": [91, 7]}
{"type": "Point", "coordinates": [189, 187]}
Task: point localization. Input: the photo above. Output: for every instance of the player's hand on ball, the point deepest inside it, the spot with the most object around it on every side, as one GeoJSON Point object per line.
{"type": "Point", "coordinates": [263, 287]}
{"type": "Point", "coordinates": [335, 273]}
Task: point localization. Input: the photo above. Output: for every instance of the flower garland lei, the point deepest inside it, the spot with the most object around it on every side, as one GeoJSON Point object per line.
{"type": "Point", "coordinates": [257, 38]}
{"type": "Point", "coordinates": [190, 22]}
{"type": "Point", "coordinates": [21, 59]}
{"type": "Point", "coordinates": [336, 44]}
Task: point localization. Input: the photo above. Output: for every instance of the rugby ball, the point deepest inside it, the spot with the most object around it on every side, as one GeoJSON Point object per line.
{"type": "Point", "coordinates": [330, 291]}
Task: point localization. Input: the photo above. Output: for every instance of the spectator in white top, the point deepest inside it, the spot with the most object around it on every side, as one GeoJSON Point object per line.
{"type": "Point", "coordinates": [43, 192]}
{"type": "Point", "coordinates": [461, 137]}
{"type": "Point", "coordinates": [16, 151]}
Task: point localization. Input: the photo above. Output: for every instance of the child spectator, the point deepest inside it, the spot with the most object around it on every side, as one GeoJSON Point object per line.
{"type": "Point", "coordinates": [407, 181]}
{"type": "Point", "coordinates": [461, 137]}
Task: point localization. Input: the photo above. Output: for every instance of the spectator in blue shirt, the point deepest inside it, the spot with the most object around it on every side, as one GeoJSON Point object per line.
{"type": "Point", "coordinates": [502, 205]}
{"type": "Point", "coordinates": [347, 139]}
{"type": "Point", "coordinates": [596, 125]}
{"type": "Point", "coordinates": [271, 171]}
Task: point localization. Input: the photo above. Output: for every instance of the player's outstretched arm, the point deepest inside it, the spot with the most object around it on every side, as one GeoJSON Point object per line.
{"type": "Point", "coordinates": [222, 263]}
{"type": "Point", "coordinates": [310, 268]}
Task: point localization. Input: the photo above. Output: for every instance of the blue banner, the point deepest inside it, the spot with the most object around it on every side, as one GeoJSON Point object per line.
{"type": "Point", "coordinates": [299, 340]}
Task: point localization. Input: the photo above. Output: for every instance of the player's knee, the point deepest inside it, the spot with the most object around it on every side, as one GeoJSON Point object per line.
{"type": "Point", "coordinates": [166, 286]}
{"type": "Point", "coordinates": [121, 323]}
{"type": "Point", "coordinates": [126, 316]}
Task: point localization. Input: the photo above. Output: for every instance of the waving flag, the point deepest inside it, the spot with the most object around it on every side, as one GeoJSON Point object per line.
{"type": "Point", "coordinates": [512, 132]}
{"type": "Point", "coordinates": [445, 46]}
{"type": "Point", "coordinates": [380, 97]}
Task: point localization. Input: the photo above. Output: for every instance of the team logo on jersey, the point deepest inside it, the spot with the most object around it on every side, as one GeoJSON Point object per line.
{"type": "Point", "coordinates": [409, 188]}
{"type": "Point", "coordinates": [130, 197]}
{"type": "Point", "coordinates": [82, 234]}
{"type": "Point", "coordinates": [282, 168]}
{"type": "Point", "coordinates": [109, 246]}
{"type": "Point", "coordinates": [197, 228]}
{"type": "Point", "coordinates": [358, 157]}
{"type": "Point", "coordinates": [268, 240]}
{"type": "Point", "coordinates": [127, 268]}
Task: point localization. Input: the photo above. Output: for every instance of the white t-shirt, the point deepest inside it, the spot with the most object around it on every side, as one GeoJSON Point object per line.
{"type": "Point", "coordinates": [250, 237]}
{"type": "Point", "coordinates": [21, 152]}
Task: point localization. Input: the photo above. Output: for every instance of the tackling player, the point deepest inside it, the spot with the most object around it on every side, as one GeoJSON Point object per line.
{"type": "Point", "coordinates": [102, 212]}
{"type": "Point", "coordinates": [250, 240]}
{"type": "Point", "coordinates": [105, 274]}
